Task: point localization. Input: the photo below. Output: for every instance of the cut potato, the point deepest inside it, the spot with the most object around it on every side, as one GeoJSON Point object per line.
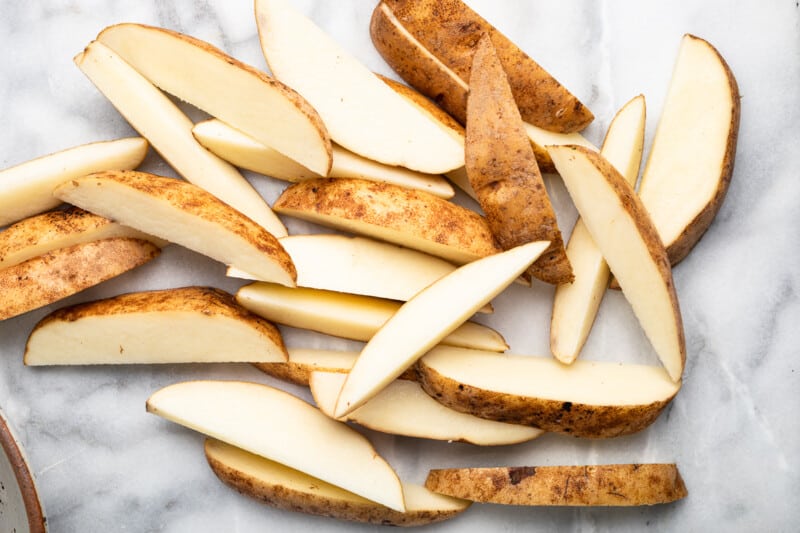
{"type": "Point", "coordinates": [184, 214]}
{"type": "Point", "coordinates": [186, 325]}
{"type": "Point", "coordinates": [346, 315]}
{"type": "Point", "coordinates": [245, 152]}
{"type": "Point", "coordinates": [55, 275]}
{"type": "Point", "coordinates": [160, 121]}
{"type": "Point", "coordinates": [620, 485]}
{"type": "Point", "coordinates": [586, 399]}
{"type": "Point", "coordinates": [236, 93]}
{"type": "Point", "coordinates": [623, 231]}
{"type": "Point", "coordinates": [575, 305]}
{"type": "Point", "coordinates": [403, 408]}
{"type": "Point", "coordinates": [50, 231]}
{"type": "Point", "coordinates": [27, 189]}
{"type": "Point", "coordinates": [691, 161]}
{"type": "Point", "coordinates": [413, 219]}
{"type": "Point", "coordinates": [427, 318]}
{"type": "Point", "coordinates": [361, 112]}
{"type": "Point", "coordinates": [291, 490]}
{"type": "Point", "coordinates": [285, 429]}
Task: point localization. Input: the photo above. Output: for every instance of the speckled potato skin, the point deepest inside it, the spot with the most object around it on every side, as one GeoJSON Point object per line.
{"type": "Point", "coordinates": [591, 485]}
{"type": "Point", "coordinates": [503, 172]}
{"type": "Point", "coordinates": [571, 418]}
{"type": "Point", "coordinates": [53, 276]}
{"type": "Point", "coordinates": [450, 30]}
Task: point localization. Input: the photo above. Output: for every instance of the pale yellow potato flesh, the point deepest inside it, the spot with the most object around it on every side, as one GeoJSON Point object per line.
{"type": "Point", "coordinates": [169, 130]}
{"type": "Point", "coordinates": [623, 231]}
{"type": "Point", "coordinates": [403, 408]}
{"type": "Point", "coordinates": [419, 324]}
{"type": "Point", "coordinates": [184, 325]}
{"type": "Point", "coordinates": [283, 428]}
{"type": "Point", "coordinates": [360, 111]}
{"type": "Point", "coordinates": [345, 315]}
{"type": "Point", "coordinates": [27, 189]}
{"type": "Point", "coordinates": [289, 489]}
{"type": "Point", "coordinates": [575, 304]}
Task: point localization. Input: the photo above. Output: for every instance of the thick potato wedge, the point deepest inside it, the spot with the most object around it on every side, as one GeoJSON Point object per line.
{"type": "Point", "coordinates": [55, 275]}
{"type": "Point", "coordinates": [185, 325]}
{"type": "Point", "coordinates": [618, 485]}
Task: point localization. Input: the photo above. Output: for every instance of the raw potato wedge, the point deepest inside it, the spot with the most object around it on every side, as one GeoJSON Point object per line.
{"type": "Point", "coordinates": [55, 275]}
{"type": "Point", "coordinates": [413, 219]}
{"type": "Point", "coordinates": [443, 34]}
{"type": "Point", "coordinates": [575, 305]}
{"type": "Point", "coordinates": [427, 318]}
{"type": "Point", "coordinates": [346, 315]}
{"type": "Point", "coordinates": [184, 214]}
{"type": "Point", "coordinates": [236, 93]}
{"type": "Point", "coordinates": [691, 161]}
{"type": "Point", "coordinates": [361, 112]}
{"type": "Point", "coordinates": [185, 325]}
{"type": "Point", "coordinates": [278, 426]}
{"type": "Point", "coordinates": [50, 231]}
{"type": "Point", "coordinates": [623, 231]}
{"type": "Point", "coordinates": [586, 399]}
{"type": "Point", "coordinates": [403, 408]}
{"type": "Point", "coordinates": [169, 130]}
{"type": "Point", "coordinates": [503, 172]}
{"type": "Point", "coordinates": [291, 490]}
{"type": "Point", "coordinates": [245, 152]}
{"type": "Point", "coordinates": [27, 189]}
{"type": "Point", "coordinates": [617, 485]}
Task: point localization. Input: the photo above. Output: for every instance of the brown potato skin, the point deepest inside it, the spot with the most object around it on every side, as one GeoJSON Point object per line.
{"type": "Point", "coordinates": [576, 419]}
{"type": "Point", "coordinates": [300, 373]}
{"type": "Point", "coordinates": [590, 485]}
{"type": "Point", "coordinates": [450, 30]}
{"type": "Point", "coordinates": [50, 277]}
{"type": "Point", "coordinates": [503, 172]}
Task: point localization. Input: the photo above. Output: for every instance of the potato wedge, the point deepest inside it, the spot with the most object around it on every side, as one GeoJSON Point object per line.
{"type": "Point", "coordinates": [586, 399]}
{"type": "Point", "coordinates": [55, 275]}
{"type": "Point", "coordinates": [443, 35]}
{"type": "Point", "coordinates": [503, 172]}
{"type": "Point", "coordinates": [413, 219]}
{"type": "Point", "coordinates": [291, 490]}
{"type": "Point", "coordinates": [278, 426]}
{"type": "Point", "coordinates": [27, 189]}
{"type": "Point", "coordinates": [185, 325]}
{"type": "Point", "coordinates": [617, 485]}
{"type": "Point", "coordinates": [184, 214]}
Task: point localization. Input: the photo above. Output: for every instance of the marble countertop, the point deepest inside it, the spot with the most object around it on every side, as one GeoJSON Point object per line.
{"type": "Point", "coordinates": [103, 464]}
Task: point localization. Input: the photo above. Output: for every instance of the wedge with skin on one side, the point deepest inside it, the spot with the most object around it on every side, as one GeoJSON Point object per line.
{"type": "Point", "coordinates": [361, 113]}
{"type": "Point", "coordinates": [27, 189]}
{"type": "Point", "coordinates": [586, 399]}
{"type": "Point", "coordinates": [428, 318]}
{"type": "Point", "coordinates": [169, 130]}
{"type": "Point", "coordinates": [278, 426]}
{"type": "Point", "coordinates": [575, 304]}
{"type": "Point", "coordinates": [285, 488]}
{"type": "Point", "coordinates": [623, 231]}
{"type": "Point", "coordinates": [185, 325]}
{"type": "Point", "coordinates": [184, 214]}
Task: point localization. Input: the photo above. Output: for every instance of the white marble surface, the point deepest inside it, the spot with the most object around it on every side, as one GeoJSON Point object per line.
{"type": "Point", "coordinates": [103, 464]}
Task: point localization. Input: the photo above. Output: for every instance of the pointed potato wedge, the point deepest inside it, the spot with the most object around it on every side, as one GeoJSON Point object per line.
{"type": "Point", "coordinates": [615, 485]}
{"type": "Point", "coordinates": [185, 325]}
{"type": "Point", "coordinates": [27, 189]}
{"type": "Point", "coordinates": [184, 214]}
{"type": "Point", "coordinates": [278, 426]}
{"type": "Point", "coordinates": [623, 231]}
{"type": "Point", "coordinates": [285, 488]}
{"type": "Point", "coordinates": [586, 399]}
{"type": "Point", "coordinates": [55, 275]}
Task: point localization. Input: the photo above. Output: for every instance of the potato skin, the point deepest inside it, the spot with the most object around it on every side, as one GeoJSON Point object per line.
{"type": "Point", "coordinates": [589, 485]}
{"type": "Point", "coordinates": [300, 373]}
